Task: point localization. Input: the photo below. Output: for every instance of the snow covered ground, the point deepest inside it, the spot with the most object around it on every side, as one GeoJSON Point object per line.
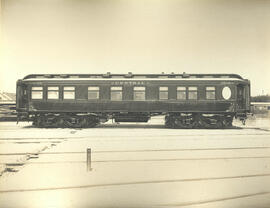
{"type": "Point", "coordinates": [135, 165]}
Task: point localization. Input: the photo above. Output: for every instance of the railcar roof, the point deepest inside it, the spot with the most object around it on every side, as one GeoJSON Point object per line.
{"type": "Point", "coordinates": [131, 76]}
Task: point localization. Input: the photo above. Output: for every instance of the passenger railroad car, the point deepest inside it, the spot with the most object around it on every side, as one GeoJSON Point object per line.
{"type": "Point", "coordinates": [85, 100]}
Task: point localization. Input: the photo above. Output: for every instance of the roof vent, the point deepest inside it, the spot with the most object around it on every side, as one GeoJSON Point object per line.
{"type": "Point", "coordinates": [172, 75]}
{"type": "Point", "coordinates": [129, 75]}
{"type": "Point", "coordinates": [63, 75]}
{"type": "Point", "coordinates": [108, 75]}
{"type": "Point", "coordinates": [185, 75]}
{"type": "Point", "coordinates": [48, 76]}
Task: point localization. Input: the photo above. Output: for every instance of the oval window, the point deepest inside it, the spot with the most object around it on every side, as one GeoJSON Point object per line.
{"type": "Point", "coordinates": [226, 93]}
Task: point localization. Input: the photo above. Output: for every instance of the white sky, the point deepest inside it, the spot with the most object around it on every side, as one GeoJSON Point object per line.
{"type": "Point", "coordinates": [141, 36]}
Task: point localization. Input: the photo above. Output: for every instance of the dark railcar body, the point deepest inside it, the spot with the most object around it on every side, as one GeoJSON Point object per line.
{"type": "Point", "coordinates": [153, 85]}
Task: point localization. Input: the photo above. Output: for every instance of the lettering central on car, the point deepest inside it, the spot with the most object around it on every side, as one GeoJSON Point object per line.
{"type": "Point", "coordinates": [128, 83]}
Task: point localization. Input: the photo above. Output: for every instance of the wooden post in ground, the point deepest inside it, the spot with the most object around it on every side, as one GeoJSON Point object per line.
{"type": "Point", "coordinates": [88, 159]}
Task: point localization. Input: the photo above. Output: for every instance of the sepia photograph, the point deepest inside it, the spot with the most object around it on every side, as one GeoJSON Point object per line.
{"type": "Point", "coordinates": [135, 103]}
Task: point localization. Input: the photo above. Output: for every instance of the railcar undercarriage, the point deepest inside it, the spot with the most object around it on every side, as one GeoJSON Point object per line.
{"type": "Point", "coordinates": [51, 120]}
{"type": "Point", "coordinates": [198, 120]}
{"type": "Point", "coordinates": [172, 120]}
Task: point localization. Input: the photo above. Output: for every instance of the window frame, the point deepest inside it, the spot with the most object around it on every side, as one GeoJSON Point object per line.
{"type": "Point", "coordinates": [207, 91]}
{"type": "Point", "coordinates": [162, 91]}
{"type": "Point", "coordinates": [115, 91]}
{"type": "Point", "coordinates": [35, 90]}
{"type": "Point", "coordinates": [139, 91]}
{"type": "Point", "coordinates": [69, 90]}
{"type": "Point", "coordinates": [192, 90]}
{"type": "Point", "coordinates": [180, 90]}
{"type": "Point", "coordinates": [96, 91]}
{"type": "Point", "coordinates": [50, 90]}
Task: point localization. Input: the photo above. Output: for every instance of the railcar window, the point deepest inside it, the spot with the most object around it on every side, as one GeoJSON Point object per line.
{"type": "Point", "coordinates": [139, 93]}
{"type": "Point", "coordinates": [163, 93]}
{"type": "Point", "coordinates": [69, 93]}
{"type": "Point", "coordinates": [226, 93]}
{"type": "Point", "coordinates": [181, 93]}
{"type": "Point", "coordinates": [116, 93]}
{"type": "Point", "coordinates": [93, 93]}
{"type": "Point", "coordinates": [192, 93]}
{"type": "Point", "coordinates": [53, 93]}
{"type": "Point", "coordinates": [37, 93]}
{"type": "Point", "coordinates": [210, 93]}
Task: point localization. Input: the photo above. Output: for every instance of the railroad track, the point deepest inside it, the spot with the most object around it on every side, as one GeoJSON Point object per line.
{"type": "Point", "coordinates": [34, 155]}
{"type": "Point", "coordinates": [137, 183]}
{"type": "Point", "coordinates": [141, 150]}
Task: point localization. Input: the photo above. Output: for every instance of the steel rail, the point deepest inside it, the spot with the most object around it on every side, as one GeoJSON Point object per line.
{"type": "Point", "coordinates": [131, 183]}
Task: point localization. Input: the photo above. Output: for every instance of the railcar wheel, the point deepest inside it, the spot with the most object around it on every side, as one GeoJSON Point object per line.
{"type": "Point", "coordinates": [40, 122]}
{"type": "Point", "coordinates": [228, 122]}
{"type": "Point", "coordinates": [93, 121]}
{"type": "Point", "coordinates": [171, 121]}
{"type": "Point", "coordinates": [168, 123]}
{"type": "Point", "coordinates": [187, 125]}
{"type": "Point", "coordinates": [92, 124]}
{"type": "Point", "coordinates": [178, 123]}
{"type": "Point", "coordinates": [59, 122]}
{"type": "Point", "coordinates": [67, 123]}
{"type": "Point", "coordinates": [83, 122]}
{"type": "Point", "coordinates": [205, 122]}
{"type": "Point", "coordinates": [197, 121]}
{"type": "Point", "coordinates": [219, 124]}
